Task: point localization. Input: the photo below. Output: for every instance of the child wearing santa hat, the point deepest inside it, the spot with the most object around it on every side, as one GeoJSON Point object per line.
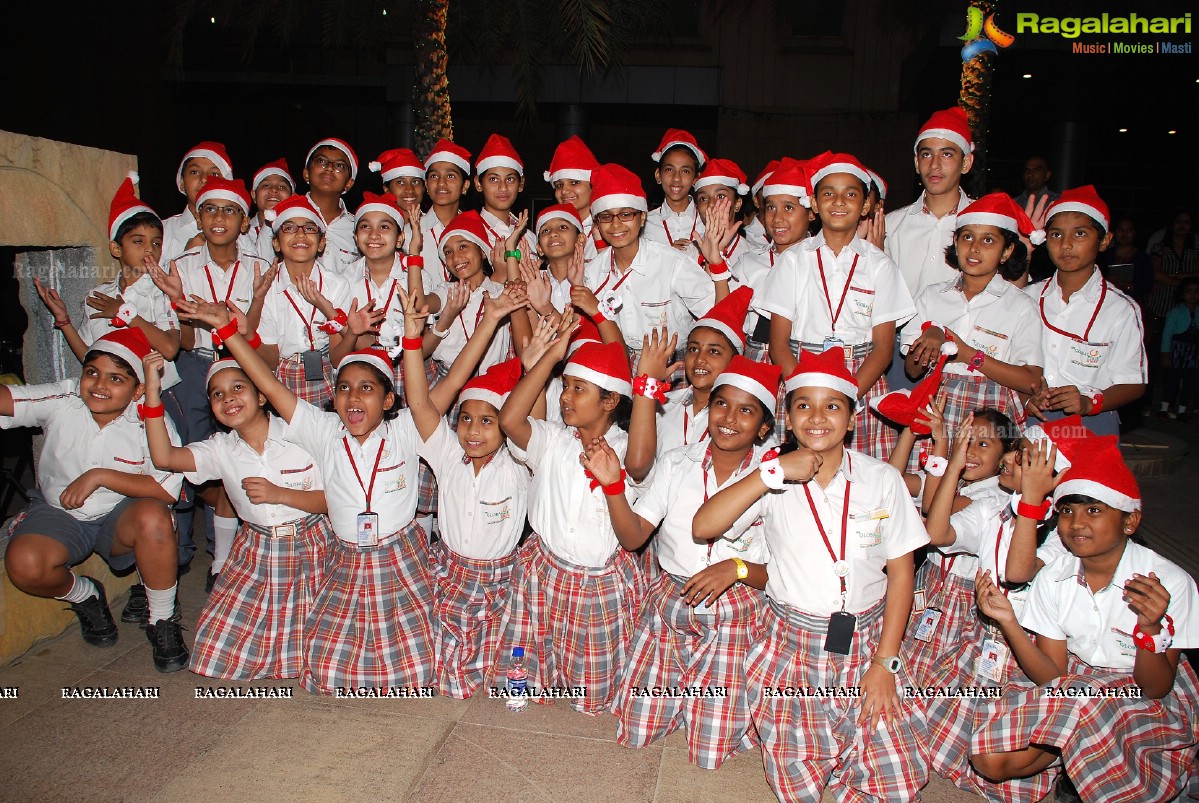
{"type": "Point", "coordinates": [1115, 702]}
{"type": "Point", "coordinates": [447, 179]}
{"type": "Point", "coordinates": [677, 222]}
{"type": "Point", "coordinates": [704, 612]}
{"type": "Point", "coordinates": [754, 229]}
{"type": "Point", "coordinates": [482, 501]}
{"type": "Point", "coordinates": [840, 532]}
{"type": "Point", "coordinates": [271, 185]}
{"type": "Point", "coordinates": [719, 195]}
{"type": "Point", "coordinates": [561, 246]}
{"type": "Point", "coordinates": [330, 169]}
{"type": "Point", "coordinates": [569, 176]}
{"type": "Point", "coordinates": [1092, 334]}
{"type": "Point", "coordinates": [202, 162]}
{"type": "Point", "coordinates": [499, 180]}
{"type": "Point", "coordinates": [577, 587]}
{"type": "Point", "coordinates": [97, 491]}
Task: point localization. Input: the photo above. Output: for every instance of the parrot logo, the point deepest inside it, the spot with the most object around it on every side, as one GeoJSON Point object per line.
{"type": "Point", "coordinates": [983, 35]}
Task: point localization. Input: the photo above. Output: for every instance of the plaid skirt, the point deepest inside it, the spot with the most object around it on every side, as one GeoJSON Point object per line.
{"type": "Point", "coordinates": [955, 599]}
{"type": "Point", "coordinates": [426, 490]}
{"type": "Point", "coordinates": [371, 624]}
{"type": "Point", "coordinates": [682, 652]}
{"type": "Point", "coordinates": [252, 625]}
{"type": "Point", "coordinates": [576, 623]}
{"type": "Point", "coordinates": [470, 616]}
{"type": "Point", "coordinates": [291, 373]}
{"type": "Point", "coordinates": [810, 742]}
{"type": "Point", "coordinates": [966, 393]}
{"type": "Point", "coordinates": [1114, 748]}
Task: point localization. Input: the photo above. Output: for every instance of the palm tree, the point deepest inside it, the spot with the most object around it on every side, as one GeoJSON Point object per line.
{"type": "Point", "coordinates": [432, 93]}
{"type": "Point", "coordinates": [975, 94]}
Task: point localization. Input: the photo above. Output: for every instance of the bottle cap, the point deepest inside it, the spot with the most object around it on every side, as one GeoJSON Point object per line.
{"type": "Point", "coordinates": [518, 652]}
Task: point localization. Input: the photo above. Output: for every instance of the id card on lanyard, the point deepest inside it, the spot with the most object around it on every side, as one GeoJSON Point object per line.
{"type": "Point", "coordinates": [368, 520]}
{"type": "Point", "coordinates": [841, 625]}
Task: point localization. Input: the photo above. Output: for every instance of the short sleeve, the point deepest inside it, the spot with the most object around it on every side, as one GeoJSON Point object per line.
{"type": "Point", "coordinates": [909, 334]}
{"type": "Point", "coordinates": [1052, 549]}
{"type": "Point", "coordinates": [693, 287]}
{"type": "Point", "coordinates": [441, 448]}
{"type": "Point", "coordinates": [1125, 363]}
{"type": "Point", "coordinates": [892, 301]}
{"type": "Point", "coordinates": [904, 530]}
{"type": "Point", "coordinates": [34, 405]}
{"type": "Point", "coordinates": [1027, 348]}
{"type": "Point", "coordinates": [206, 453]}
{"type": "Point", "coordinates": [779, 294]}
{"type": "Point", "coordinates": [311, 428]}
{"type": "Point", "coordinates": [1041, 614]}
{"type": "Point", "coordinates": [969, 526]}
{"type": "Point", "coordinates": [540, 437]}
{"type": "Point", "coordinates": [171, 482]}
{"type": "Point", "coordinates": [268, 325]}
{"type": "Point", "coordinates": [655, 500]}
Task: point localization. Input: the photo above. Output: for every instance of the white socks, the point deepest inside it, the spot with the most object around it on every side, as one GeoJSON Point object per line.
{"type": "Point", "coordinates": [224, 530]}
{"type": "Point", "coordinates": [81, 590]}
{"type": "Point", "coordinates": [162, 603]}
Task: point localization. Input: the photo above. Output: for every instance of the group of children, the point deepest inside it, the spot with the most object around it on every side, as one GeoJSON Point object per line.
{"type": "Point", "coordinates": [673, 471]}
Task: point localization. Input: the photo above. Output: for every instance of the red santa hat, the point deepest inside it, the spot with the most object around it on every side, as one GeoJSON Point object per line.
{"type": "Point", "coordinates": [880, 186]}
{"type": "Point", "coordinates": [724, 172]}
{"type": "Point", "coordinates": [387, 204]}
{"type": "Point", "coordinates": [377, 358]}
{"type": "Point", "coordinates": [727, 316]}
{"type": "Point", "coordinates": [605, 365]}
{"type": "Point", "coordinates": [764, 176]}
{"type": "Point", "coordinates": [951, 124]}
{"type": "Point", "coordinates": [828, 163]}
{"type": "Point", "coordinates": [566, 212]}
{"type": "Point", "coordinates": [585, 332]}
{"type": "Point", "coordinates": [397, 162]}
{"type": "Point", "coordinates": [493, 386]}
{"type": "Point", "coordinates": [498, 152]}
{"type": "Point", "coordinates": [221, 365]}
{"type": "Point", "coordinates": [275, 168]}
{"type": "Point", "coordinates": [999, 210]}
{"type": "Point", "coordinates": [1099, 471]}
{"type": "Point", "coordinates": [616, 187]}
{"type": "Point", "coordinates": [1085, 200]}
{"type": "Point", "coordinates": [1065, 433]}
{"type": "Point", "coordinates": [572, 159]}
{"type": "Point", "coordinates": [469, 226]}
{"type": "Point", "coordinates": [341, 145]}
{"type": "Point", "coordinates": [824, 370]}
{"type": "Point", "coordinates": [790, 177]}
{"type": "Point", "coordinates": [220, 189]}
{"type": "Point", "coordinates": [676, 136]}
{"type": "Point", "coordinates": [761, 379]}
{"type": "Point", "coordinates": [446, 151]}
{"type": "Point", "coordinates": [125, 204]}
{"type": "Point", "coordinates": [296, 207]}
{"type": "Point", "coordinates": [129, 343]}
{"type": "Point", "coordinates": [212, 151]}
{"type": "Point", "coordinates": [904, 407]}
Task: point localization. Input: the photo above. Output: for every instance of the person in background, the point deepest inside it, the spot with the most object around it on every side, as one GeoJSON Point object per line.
{"type": "Point", "coordinates": [1035, 182]}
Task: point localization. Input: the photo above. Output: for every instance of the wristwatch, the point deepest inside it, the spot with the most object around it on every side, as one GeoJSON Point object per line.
{"type": "Point", "coordinates": [742, 569]}
{"type": "Point", "coordinates": [976, 362]}
{"type": "Point", "coordinates": [890, 664]}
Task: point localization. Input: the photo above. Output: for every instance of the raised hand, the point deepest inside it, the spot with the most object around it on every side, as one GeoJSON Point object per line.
{"type": "Point", "coordinates": [153, 365]}
{"type": "Point", "coordinates": [169, 283]}
{"type": "Point", "coordinates": [518, 228]}
{"type": "Point", "coordinates": [106, 306]}
{"type": "Point", "coordinates": [574, 273]}
{"type": "Point", "coordinates": [312, 294]}
{"type": "Point", "coordinates": [1036, 472]}
{"type": "Point", "coordinates": [657, 355]}
{"type": "Point", "coordinates": [544, 334]}
{"type": "Point", "coordinates": [364, 321]}
{"type": "Point", "coordinates": [198, 310]}
{"type": "Point", "coordinates": [53, 301]}
{"type": "Point", "coordinates": [457, 297]}
{"type": "Point", "coordinates": [601, 461]}
{"type": "Point", "coordinates": [961, 443]}
{"type": "Point", "coordinates": [584, 300]}
{"type": "Point", "coordinates": [412, 215]}
{"type": "Point", "coordinates": [263, 278]}
{"type": "Point", "coordinates": [415, 318]}
{"type": "Point", "coordinates": [538, 287]}
{"type": "Point", "coordinates": [800, 465]}
{"type": "Point", "coordinates": [496, 308]}
{"type": "Point", "coordinates": [1148, 599]}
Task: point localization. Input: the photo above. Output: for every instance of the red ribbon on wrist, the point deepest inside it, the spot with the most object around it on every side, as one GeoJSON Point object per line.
{"type": "Point", "coordinates": [1031, 511]}
{"type": "Point", "coordinates": [254, 340]}
{"type": "Point", "coordinates": [609, 490]}
{"type": "Point", "coordinates": [224, 333]}
{"type": "Point", "coordinates": [411, 343]}
{"type": "Point", "coordinates": [650, 388]}
{"type": "Point", "coordinates": [145, 411]}
{"type": "Point", "coordinates": [416, 261]}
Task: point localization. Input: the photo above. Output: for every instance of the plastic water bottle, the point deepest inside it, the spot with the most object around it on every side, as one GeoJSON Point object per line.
{"type": "Point", "coordinates": [518, 681]}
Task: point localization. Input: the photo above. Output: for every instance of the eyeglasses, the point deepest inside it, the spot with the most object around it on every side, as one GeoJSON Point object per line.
{"type": "Point", "coordinates": [625, 216]}
{"type": "Point", "coordinates": [212, 209]}
{"type": "Point", "coordinates": [292, 228]}
{"type": "Point", "coordinates": [336, 167]}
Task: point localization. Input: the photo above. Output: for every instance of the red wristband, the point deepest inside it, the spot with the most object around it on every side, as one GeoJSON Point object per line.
{"type": "Point", "coordinates": [227, 331]}
{"type": "Point", "coordinates": [1034, 512]}
{"type": "Point", "coordinates": [411, 343]}
{"type": "Point", "coordinates": [416, 261]}
{"type": "Point", "coordinates": [1097, 403]}
{"type": "Point", "coordinates": [145, 411]}
{"type": "Point", "coordinates": [718, 269]}
{"type": "Point", "coordinates": [598, 318]}
{"type": "Point", "coordinates": [615, 488]}
{"type": "Point", "coordinates": [254, 340]}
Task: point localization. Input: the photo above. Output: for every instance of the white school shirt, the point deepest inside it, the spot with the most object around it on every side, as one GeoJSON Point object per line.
{"type": "Point", "coordinates": [178, 230]}
{"type": "Point", "coordinates": [666, 288]}
{"type": "Point", "coordinates": [465, 324]}
{"type": "Point", "coordinates": [340, 247]}
{"type": "Point", "coordinates": [75, 443]}
{"type": "Point", "coordinates": [752, 271]}
{"type": "Point", "coordinates": [479, 517]}
{"type": "Point", "coordinates": [431, 228]}
{"type": "Point", "coordinates": [1000, 321]}
{"type": "Point", "coordinates": [571, 519]}
{"type": "Point", "coordinates": [917, 239]}
{"type": "Point", "coordinates": [152, 305]}
{"type": "Point", "coordinates": [282, 325]}
{"type": "Point", "coordinates": [961, 557]}
{"type": "Point", "coordinates": [499, 230]}
{"type": "Point", "coordinates": [594, 243]}
{"type": "Point", "coordinates": [675, 492]}
{"type": "Point", "coordinates": [1112, 353]}
{"type": "Point", "coordinates": [226, 457]}
{"type": "Point", "coordinates": [883, 525]}
{"type": "Point", "coordinates": [364, 290]}
{"type": "Point", "coordinates": [204, 278]}
{"type": "Point", "coordinates": [875, 294]}
{"type": "Point", "coordinates": [263, 239]}
{"type": "Point", "coordinates": [678, 424]}
{"type": "Point", "coordinates": [1097, 627]}
{"type": "Point", "coordinates": [755, 232]}
{"type": "Point", "coordinates": [664, 225]}
{"type": "Point", "coordinates": [324, 436]}
{"type": "Point", "coordinates": [559, 291]}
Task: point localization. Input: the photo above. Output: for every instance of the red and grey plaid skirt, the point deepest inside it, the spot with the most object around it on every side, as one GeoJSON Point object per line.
{"type": "Point", "coordinates": [687, 669]}
{"type": "Point", "coordinates": [470, 617]}
{"type": "Point", "coordinates": [371, 624]}
{"type": "Point", "coordinates": [291, 373]}
{"type": "Point", "coordinates": [575, 622]}
{"type": "Point", "coordinates": [954, 597]}
{"type": "Point", "coordinates": [252, 625]}
{"type": "Point", "coordinates": [811, 742]}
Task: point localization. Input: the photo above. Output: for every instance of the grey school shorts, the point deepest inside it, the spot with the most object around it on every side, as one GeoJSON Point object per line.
{"type": "Point", "coordinates": [81, 538]}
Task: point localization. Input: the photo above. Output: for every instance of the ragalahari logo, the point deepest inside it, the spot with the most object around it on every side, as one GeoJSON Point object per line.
{"type": "Point", "coordinates": [983, 35]}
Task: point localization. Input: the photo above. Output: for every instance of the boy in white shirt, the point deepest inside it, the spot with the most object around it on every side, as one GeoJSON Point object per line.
{"type": "Point", "coordinates": [330, 169]}
{"type": "Point", "coordinates": [182, 231]}
{"type": "Point", "coordinates": [676, 222]}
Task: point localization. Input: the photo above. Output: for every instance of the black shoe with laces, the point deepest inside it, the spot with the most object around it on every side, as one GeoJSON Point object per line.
{"type": "Point", "coordinates": [95, 620]}
{"type": "Point", "coordinates": [137, 607]}
{"type": "Point", "coordinates": [166, 641]}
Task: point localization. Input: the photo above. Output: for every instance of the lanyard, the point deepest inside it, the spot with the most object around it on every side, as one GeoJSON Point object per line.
{"type": "Point", "coordinates": [770, 254]}
{"type": "Point", "coordinates": [494, 234]}
{"type": "Point", "coordinates": [844, 292]}
{"type": "Point", "coordinates": [612, 269]}
{"type": "Point", "coordinates": [728, 252]}
{"type": "Point", "coordinates": [840, 566]}
{"type": "Point", "coordinates": [706, 466]}
{"type": "Point", "coordinates": [371, 296]}
{"type": "Point", "coordinates": [478, 317]}
{"type": "Point", "coordinates": [694, 224]}
{"type": "Point", "coordinates": [232, 279]}
{"type": "Point", "coordinates": [947, 562]}
{"type": "Point", "coordinates": [1086, 332]}
{"type": "Point", "coordinates": [368, 491]}
{"type": "Point", "coordinates": [998, 539]}
{"type": "Point", "coordinates": [686, 442]}
{"type": "Point", "coordinates": [307, 321]}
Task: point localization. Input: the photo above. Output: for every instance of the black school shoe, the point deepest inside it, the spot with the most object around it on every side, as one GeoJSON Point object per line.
{"type": "Point", "coordinates": [137, 607]}
{"type": "Point", "coordinates": [166, 642]}
{"type": "Point", "coordinates": [95, 620]}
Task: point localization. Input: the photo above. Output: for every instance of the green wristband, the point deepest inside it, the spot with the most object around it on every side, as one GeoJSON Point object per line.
{"type": "Point", "coordinates": [512, 255]}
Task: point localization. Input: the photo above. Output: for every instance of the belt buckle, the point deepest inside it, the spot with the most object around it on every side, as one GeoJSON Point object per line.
{"type": "Point", "coordinates": [284, 531]}
{"type": "Point", "coordinates": [208, 354]}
